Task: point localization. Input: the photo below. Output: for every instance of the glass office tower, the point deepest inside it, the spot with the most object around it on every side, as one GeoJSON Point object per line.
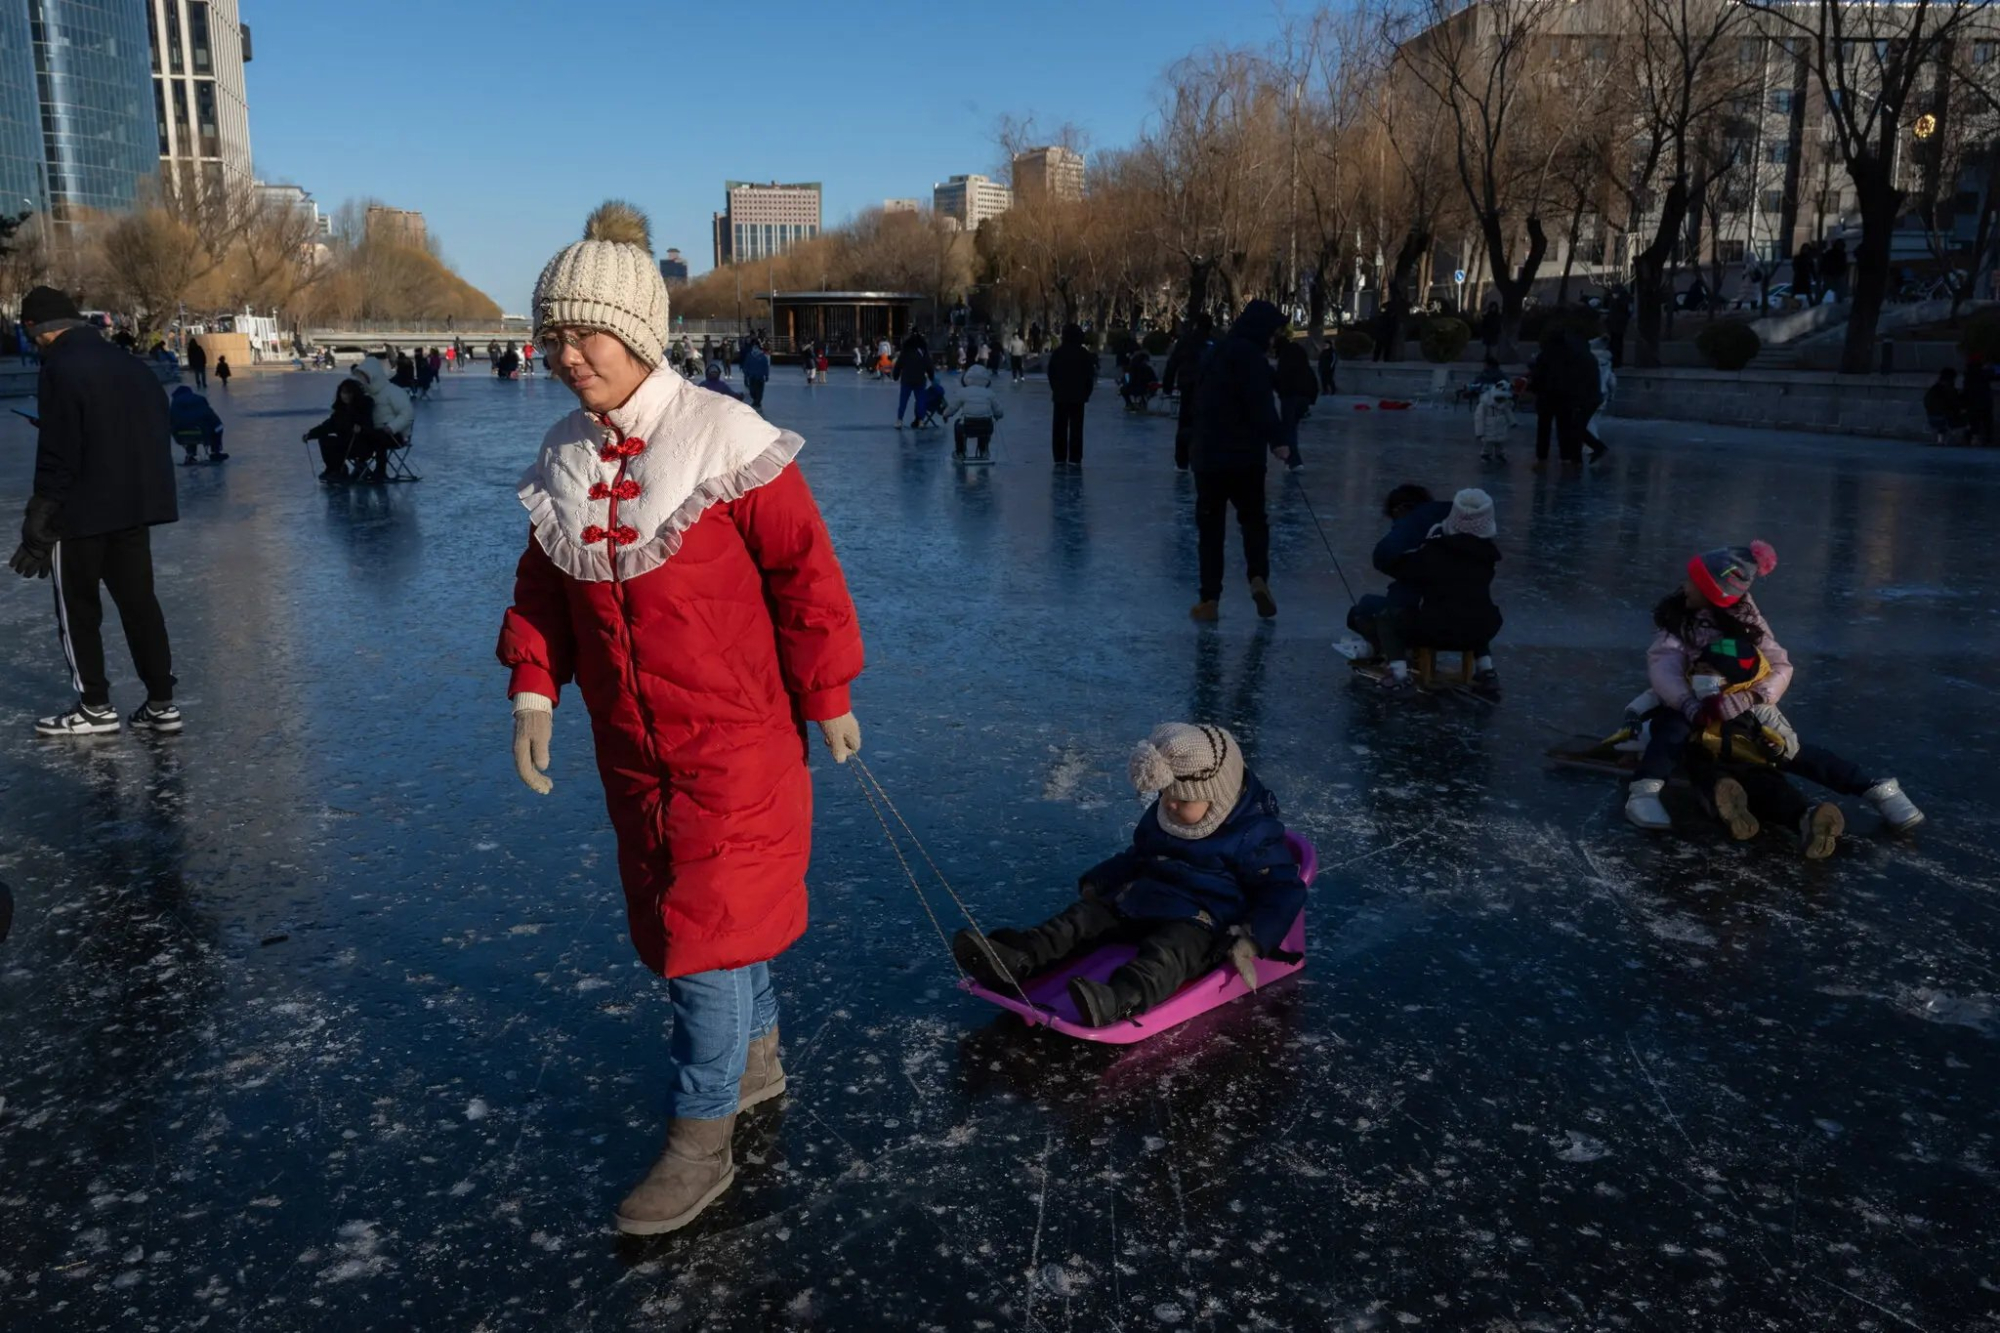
{"type": "Point", "coordinates": [94, 80]}
{"type": "Point", "coordinates": [22, 184]}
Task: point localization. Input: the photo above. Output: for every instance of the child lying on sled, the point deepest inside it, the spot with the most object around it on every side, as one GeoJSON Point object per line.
{"type": "Point", "coordinates": [1208, 877]}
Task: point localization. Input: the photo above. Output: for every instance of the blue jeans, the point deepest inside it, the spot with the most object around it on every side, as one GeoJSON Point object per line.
{"type": "Point", "coordinates": [716, 1016]}
{"type": "Point", "coordinates": [903, 395]}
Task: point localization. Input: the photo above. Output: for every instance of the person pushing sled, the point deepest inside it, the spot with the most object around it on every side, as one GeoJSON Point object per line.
{"type": "Point", "coordinates": [1210, 876]}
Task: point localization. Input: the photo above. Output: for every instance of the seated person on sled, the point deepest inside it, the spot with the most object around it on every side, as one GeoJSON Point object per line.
{"type": "Point", "coordinates": [1442, 596]}
{"type": "Point", "coordinates": [1139, 382]}
{"type": "Point", "coordinates": [1208, 877]}
{"type": "Point", "coordinates": [976, 409]}
{"type": "Point", "coordinates": [1714, 661]}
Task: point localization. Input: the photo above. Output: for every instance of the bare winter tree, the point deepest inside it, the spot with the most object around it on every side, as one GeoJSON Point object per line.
{"type": "Point", "coordinates": [1212, 159]}
{"type": "Point", "coordinates": [1486, 65]}
{"type": "Point", "coordinates": [1878, 66]}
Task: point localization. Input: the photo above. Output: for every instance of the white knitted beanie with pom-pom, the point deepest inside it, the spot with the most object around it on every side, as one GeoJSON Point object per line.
{"type": "Point", "coordinates": [1188, 762]}
{"type": "Point", "coordinates": [608, 281]}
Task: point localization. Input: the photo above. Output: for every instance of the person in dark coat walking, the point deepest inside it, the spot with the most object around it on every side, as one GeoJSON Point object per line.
{"type": "Point", "coordinates": [1329, 363]}
{"type": "Point", "coordinates": [1298, 390]}
{"type": "Point", "coordinates": [1489, 327]}
{"type": "Point", "coordinates": [1833, 268]}
{"type": "Point", "coordinates": [1564, 378]}
{"type": "Point", "coordinates": [1182, 375]}
{"type": "Point", "coordinates": [197, 359]}
{"type": "Point", "coordinates": [1236, 422]}
{"type": "Point", "coordinates": [104, 475]}
{"type": "Point", "coordinates": [1805, 274]}
{"type": "Point", "coordinates": [913, 373]}
{"type": "Point", "coordinates": [1072, 377]}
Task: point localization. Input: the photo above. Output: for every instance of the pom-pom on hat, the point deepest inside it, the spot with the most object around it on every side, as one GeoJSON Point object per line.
{"type": "Point", "coordinates": [1188, 762]}
{"type": "Point", "coordinates": [608, 281]}
{"type": "Point", "coordinates": [1724, 576]}
{"type": "Point", "coordinates": [1471, 514]}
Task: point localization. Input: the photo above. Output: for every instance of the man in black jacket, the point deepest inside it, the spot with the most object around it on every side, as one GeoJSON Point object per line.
{"type": "Point", "coordinates": [1072, 376]}
{"type": "Point", "coordinates": [104, 474]}
{"type": "Point", "coordinates": [1183, 376]}
{"type": "Point", "coordinates": [1298, 390]}
{"type": "Point", "coordinates": [1236, 421]}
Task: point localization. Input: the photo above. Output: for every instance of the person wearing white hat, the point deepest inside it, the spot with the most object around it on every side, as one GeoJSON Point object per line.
{"type": "Point", "coordinates": [1451, 575]}
{"type": "Point", "coordinates": [678, 571]}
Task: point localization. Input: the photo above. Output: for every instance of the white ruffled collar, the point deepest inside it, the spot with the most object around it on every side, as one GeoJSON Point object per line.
{"type": "Point", "coordinates": [626, 487]}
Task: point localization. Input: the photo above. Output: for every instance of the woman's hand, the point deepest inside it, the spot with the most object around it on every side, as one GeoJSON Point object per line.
{"type": "Point", "coordinates": [843, 737]}
{"type": "Point", "coordinates": [533, 726]}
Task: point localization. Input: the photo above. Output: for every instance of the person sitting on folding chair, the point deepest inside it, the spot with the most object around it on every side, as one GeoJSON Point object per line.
{"type": "Point", "coordinates": [195, 425]}
{"type": "Point", "coordinates": [340, 434]}
{"type": "Point", "coordinates": [390, 420]}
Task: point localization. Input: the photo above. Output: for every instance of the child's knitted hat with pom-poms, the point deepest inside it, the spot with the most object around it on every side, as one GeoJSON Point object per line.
{"type": "Point", "coordinates": [1724, 576]}
{"type": "Point", "coordinates": [608, 281]}
{"type": "Point", "coordinates": [1191, 762]}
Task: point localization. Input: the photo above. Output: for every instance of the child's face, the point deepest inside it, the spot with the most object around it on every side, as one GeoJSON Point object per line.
{"type": "Point", "coordinates": [1184, 812]}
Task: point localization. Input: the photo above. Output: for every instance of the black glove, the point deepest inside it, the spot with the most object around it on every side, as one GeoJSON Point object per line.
{"type": "Point", "coordinates": [32, 558]}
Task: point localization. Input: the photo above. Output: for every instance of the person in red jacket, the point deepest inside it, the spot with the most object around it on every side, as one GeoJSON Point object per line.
{"type": "Point", "coordinates": [679, 572]}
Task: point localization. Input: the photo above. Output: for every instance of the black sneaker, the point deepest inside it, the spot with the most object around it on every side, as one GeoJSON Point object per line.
{"type": "Point", "coordinates": [82, 720]}
{"type": "Point", "coordinates": [189, 461]}
{"type": "Point", "coordinates": [217, 458]}
{"type": "Point", "coordinates": [150, 716]}
{"type": "Point", "coordinates": [1486, 683]}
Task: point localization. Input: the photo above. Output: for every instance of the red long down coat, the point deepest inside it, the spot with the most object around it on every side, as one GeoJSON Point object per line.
{"type": "Point", "coordinates": [699, 673]}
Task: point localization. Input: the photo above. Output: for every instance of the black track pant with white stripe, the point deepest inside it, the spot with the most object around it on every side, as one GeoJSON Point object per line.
{"type": "Point", "coordinates": [122, 564]}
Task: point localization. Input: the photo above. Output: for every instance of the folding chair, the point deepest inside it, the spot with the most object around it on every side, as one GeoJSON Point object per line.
{"type": "Point", "coordinates": [396, 460]}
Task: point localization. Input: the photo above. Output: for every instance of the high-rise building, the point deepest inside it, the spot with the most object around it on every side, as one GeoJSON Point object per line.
{"type": "Point", "coordinates": [393, 226]}
{"type": "Point", "coordinates": [673, 269]}
{"type": "Point", "coordinates": [765, 220]}
{"type": "Point", "coordinates": [23, 178]}
{"type": "Point", "coordinates": [1052, 170]}
{"type": "Point", "coordinates": [199, 49]}
{"type": "Point", "coordinates": [970, 200]}
{"type": "Point", "coordinates": [98, 138]}
{"type": "Point", "coordinates": [899, 205]}
{"type": "Point", "coordinates": [297, 201]}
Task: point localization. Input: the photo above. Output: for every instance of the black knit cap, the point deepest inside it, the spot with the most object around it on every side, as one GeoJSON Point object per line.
{"type": "Point", "coordinates": [45, 304]}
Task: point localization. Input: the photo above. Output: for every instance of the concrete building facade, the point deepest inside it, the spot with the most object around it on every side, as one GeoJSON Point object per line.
{"type": "Point", "coordinates": [673, 268]}
{"type": "Point", "coordinates": [1052, 171]}
{"type": "Point", "coordinates": [765, 220]}
{"type": "Point", "coordinates": [970, 200]}
{"type": "Point", "coordinates": [200, 104]}
{"type": "Point", "coordinates": [394, 226]}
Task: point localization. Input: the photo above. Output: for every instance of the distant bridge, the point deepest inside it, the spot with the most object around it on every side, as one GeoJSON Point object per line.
{"type": "Point", "coordinates": [371, 337]}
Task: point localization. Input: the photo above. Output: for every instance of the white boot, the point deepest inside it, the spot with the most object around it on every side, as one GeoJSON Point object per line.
{"type": "Point", "coordinates": [1642, 805]}
{"type": "Point", "coordinates": [1896, 809]}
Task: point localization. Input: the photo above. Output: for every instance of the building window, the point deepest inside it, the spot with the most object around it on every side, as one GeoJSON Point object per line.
{"type": "Point", "coordinates": [204, 105]}
{"type": "Point", "coordinates": [1773, 201]}
{"type": "Point", "coordinates": [160, 113]}
{"type": "Point", "coordinates": [176, 58]}
{"type": "Point", "coordinates": [1777, 153]}
{"type": "Point", "coordinates": [153, 36]}
{"type": "Point", "coordinates": [1750, 51]}
{"type": "Point", "coordinates": [1781, 101]}
{"type": "Point", "coordinates": [1982, 53]}
{"type": "Point", "coordinates": [198, 37]}
{"type": "Point", "coordinates": [1729, 252]}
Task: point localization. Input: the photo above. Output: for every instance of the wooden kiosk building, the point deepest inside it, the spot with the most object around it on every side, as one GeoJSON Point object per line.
{"type": "Point", "coordinates": [837, 321]}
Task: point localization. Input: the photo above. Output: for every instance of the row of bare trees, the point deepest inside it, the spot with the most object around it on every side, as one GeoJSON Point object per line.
{"type": "Point", "coordinates": [228, 248]}
{"type": "Point", "coordinates": [1535, 145]}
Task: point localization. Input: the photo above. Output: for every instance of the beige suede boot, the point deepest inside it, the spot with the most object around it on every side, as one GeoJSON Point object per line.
{"type": "Point", "coordinates": [692, 1173]}
{"type": "Point", "coordinates": [763, 1076]}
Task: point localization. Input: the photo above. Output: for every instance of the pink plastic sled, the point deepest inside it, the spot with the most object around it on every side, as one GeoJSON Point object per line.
{"type": "Point", "coordinates": [1048, 994]}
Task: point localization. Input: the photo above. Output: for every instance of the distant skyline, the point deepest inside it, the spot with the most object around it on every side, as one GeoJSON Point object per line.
{"type": "Point", "coordinates": [504, 126]}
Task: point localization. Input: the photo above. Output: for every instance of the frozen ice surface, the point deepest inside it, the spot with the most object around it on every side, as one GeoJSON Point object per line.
{"type": "Point", "coordinates": [314, 1018]}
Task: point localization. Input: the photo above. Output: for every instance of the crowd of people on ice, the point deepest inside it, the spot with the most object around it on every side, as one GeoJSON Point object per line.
{"type": "Point", "coordinates": [678, 574]}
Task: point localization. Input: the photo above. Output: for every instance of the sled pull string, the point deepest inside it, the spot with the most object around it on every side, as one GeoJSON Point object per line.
{"type": "Point", "coordinates": [866, 779]}
{"type": "Point", "coordinates": [1351, 601]}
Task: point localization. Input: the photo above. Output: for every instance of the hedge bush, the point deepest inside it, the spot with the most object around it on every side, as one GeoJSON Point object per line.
{"type": "Point", "coordinates": [1981, 336]}
{"type": "Point", "coordinates": [1120, 342]}
{"type": "Point", "coordinates": [1353, 345]}
{"type": "Point", "coordinates": [1158, 342]}
{"type": "Point", "coordinates": [1728, 344]}
{"type": "Point", "coordinates": [1443, 339]}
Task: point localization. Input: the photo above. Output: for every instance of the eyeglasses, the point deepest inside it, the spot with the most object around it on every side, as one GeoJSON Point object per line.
{"type": "Point", "coordinates": [553, 342]}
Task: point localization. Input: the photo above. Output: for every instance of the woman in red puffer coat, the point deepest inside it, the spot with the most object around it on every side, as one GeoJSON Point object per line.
{"type": "Point", "coordinates": [678, 571]}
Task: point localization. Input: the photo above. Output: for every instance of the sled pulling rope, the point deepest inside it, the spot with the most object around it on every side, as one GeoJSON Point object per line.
{"type": "Point", "coordinates": [878, 799]}
{"type": "Point", "coordinates": [1351, 599]}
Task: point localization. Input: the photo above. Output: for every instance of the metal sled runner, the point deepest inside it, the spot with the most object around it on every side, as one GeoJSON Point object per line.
{"type": "Point", "coordinates": [1048, 1003]}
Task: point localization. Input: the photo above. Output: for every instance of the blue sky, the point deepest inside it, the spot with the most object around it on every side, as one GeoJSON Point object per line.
{"type": "Point", "coordinates": [505, 123]}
